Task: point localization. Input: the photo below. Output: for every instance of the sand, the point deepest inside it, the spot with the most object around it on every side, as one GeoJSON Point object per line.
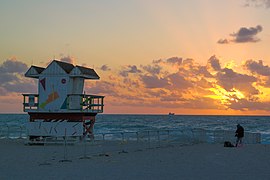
{"type": "Point", "coordinates": [133, 161]}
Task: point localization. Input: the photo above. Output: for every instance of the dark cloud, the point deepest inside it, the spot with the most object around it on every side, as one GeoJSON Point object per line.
{"type": "Point", "coordinates": [171, 61]}
{"type": "Point", "coordinates": [105, 68]}
{"type": "Point", "coordinates": [223, 41]}
{"type": "Point", "coordinates": [152, 69]}
{"type": "Point", "coordinates": [244, 105]}
{"type": "Point", "coordinates": [178, 81]}
{"type": "Point", "coordinates": [258, 3]}
{"type": "Point", "coordinates": [214, 63]}
{"type": "Point", "coordinates": [175, 60]}
{"type": "Point", "coordinates": [8, 77]}
{"type": "Point", "coordinates": [202, 70]}
{"type": "Point", "coordinates": [21, 87]}
{"type": "Point", "coordinates": [131, 83]}
{"type": "Point", "coordinates": [134, 69]}
{"type": "Point", "coordinates": [172, 98]}
{"type": "Point", "coordinates": [10, 71]}
{"type": "Point", "coordinates": [129, 69]}
{"type": "Point", "coordinates": [158, 93]}
{"type": "Point", "coordinates": [247, 34]}
{"type": "Point", "coordinates": [102, 87]}
{"type": "Point", "coordinates": [154, 81]}
{"type": "Point", "coordinates": [243, 35]}
{"type": "Point", "coordinates": [202, 103]}
{"type": "Point", "coordinates": [188, 62]}
{"type": "Point", "coordinates": [13, 66]}
{"type": "Point", "coordinates": [257, 67]}
{"type": "Point", "coordinates": [12, 78]}
{"type": "Point", "coordinates": [229, 79]}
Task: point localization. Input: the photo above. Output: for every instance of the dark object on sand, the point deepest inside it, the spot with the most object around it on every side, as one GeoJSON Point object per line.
{"type": "Point", "coordinates": [228, 144]}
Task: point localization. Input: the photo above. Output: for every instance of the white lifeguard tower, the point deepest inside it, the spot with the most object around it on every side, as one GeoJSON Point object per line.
{"type": "Point", "coordinates": [61, 108]}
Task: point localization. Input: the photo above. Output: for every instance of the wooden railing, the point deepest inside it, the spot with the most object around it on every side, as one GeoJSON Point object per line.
{"type": "Point", "coordinates": [86, 103]}
{"type": "Point", "coordinates": [75, 103]}
{"type": "Point", "coordinates": [30, 102]}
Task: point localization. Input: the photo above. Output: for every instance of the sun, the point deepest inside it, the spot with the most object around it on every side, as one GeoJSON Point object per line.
{"type": "Point", "coordinates": [226, 97]}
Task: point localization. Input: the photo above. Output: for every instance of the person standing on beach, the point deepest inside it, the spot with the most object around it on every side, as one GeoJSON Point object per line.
{"type": "Point", "coordinates": [239, 133]}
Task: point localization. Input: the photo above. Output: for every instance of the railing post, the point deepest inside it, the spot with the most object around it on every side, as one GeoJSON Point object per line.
{"type": "Point", "coordinates": [82, 101]}
{"type": "Point", "coordinates": [158, 138]}
{"type": "Point", "coordinates": [21, 132]}
{"type": "Point", "coordinates": [23, 103]}
{"type": "Point", "coordinates": [122, 136]}
{"type": "Point", "coordinates": [102, 104]}
{"type": "Point", "coordinates": [148, 138]}
{"type": "Point", "coordinates": [7, 131]}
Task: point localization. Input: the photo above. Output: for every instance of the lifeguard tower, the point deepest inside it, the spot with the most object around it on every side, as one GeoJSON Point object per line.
{"type": "Point", "coordinates": [61, 108]}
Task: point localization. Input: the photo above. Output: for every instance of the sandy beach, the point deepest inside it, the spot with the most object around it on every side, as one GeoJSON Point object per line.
{"type": "Point", "coordinates": [194, 161]}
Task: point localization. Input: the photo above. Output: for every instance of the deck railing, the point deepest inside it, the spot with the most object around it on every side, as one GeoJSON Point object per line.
{"type": "Point", "coordinates": [30, 102]}
{"type": "Point", "coordinates": [86, 103]}
{"type": "Point", "coordinates": [75, 103]}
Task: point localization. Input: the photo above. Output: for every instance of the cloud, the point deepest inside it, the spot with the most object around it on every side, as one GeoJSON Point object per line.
{"type": "Point", "coordinates": [13, 66]}
{"type": "Point", "coordinates": [154, 81]}
{"type": "Point", "coordinates": [202, 103]}
{"type": "Point", "coordinates": [68, 59]}
{"type": "Point", "coordinates": [102, 87]}
{"type": "Point", "coordinates": [8, 77]}
{"type": "Point", "coordinates": [213, 63]}
{"type": "Point", "coordinates": [243, 35]}
{"type": "Point", "coordinates": [178, 81]}
{"type": "Point", "coordinates": [152, 69]}
{"type": "Point", "coordinates": [175, 60]}
{"type": "Point", "coordinates": [172, 97]}
{"type": "Point", "coordinates": [267, 82]}
{"type": "Point", "coordinates": [105, 68]}
{"type": "Point", "coordinates": [12, 78]}
{"type": "Point", "coordinates": [166, 83]}
{"type": "Point", "coordinates": [230, 80]}
{"type": "Point", "coordinates": [156, 93]}
{"type": "Point", "coordinates": [245, 105]}
{"type": "Point", "coordinates": [247, 34]}
{"type": "Point", "coordinates": [258, 3]}
{"type": "Point", "coordinates": [129, 69]}
{"type": "Point", "coordinates": [223, 41]}
{"type": "Point", "coordinates": [21, 87]}
{"type": "Point", "coordinates": [3, 91]}
{"type": "Point", "coordinates": [257, 67]}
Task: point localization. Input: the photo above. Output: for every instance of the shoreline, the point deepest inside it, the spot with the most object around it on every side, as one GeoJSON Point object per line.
{"type": "Point", "coordinates": [126, 161]}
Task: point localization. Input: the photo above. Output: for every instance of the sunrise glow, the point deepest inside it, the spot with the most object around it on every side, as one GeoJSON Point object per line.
{"type": "Point", "coordinates": [153, 57]}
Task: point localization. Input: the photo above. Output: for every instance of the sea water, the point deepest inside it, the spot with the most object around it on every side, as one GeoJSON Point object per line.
{"type": "Point", "coordinates": [14, 125]}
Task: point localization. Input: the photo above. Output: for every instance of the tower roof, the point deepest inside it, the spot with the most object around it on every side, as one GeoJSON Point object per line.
{"type": "Point", "coordinates": [34, 71]}
{"type": "Point", "coordinates": [88, 72]}
{"type": "Point", "coordinates": [64, 65]}
{"type": "Point", "coordinates": [70, 69]}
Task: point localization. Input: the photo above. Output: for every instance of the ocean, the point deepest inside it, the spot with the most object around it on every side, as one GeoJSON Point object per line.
{"type": "Point", "coordinates": [13, 125]}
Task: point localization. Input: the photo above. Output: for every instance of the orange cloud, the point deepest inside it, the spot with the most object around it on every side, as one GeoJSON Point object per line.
{"type": "Point", "coordinates": [177, 84]}
{"type": "Point", "coordinates": [184, 84]}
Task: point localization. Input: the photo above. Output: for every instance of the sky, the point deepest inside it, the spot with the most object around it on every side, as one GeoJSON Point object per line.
{"type": "Point", "coordinates": [197, 57]}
